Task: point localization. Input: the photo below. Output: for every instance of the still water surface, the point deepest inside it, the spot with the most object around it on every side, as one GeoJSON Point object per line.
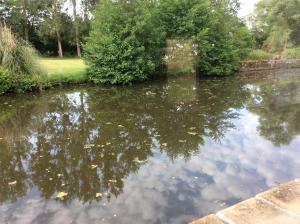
{"type": "Point", "coordinates": [161, 152]}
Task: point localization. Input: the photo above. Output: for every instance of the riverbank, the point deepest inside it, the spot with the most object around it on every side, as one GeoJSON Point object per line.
{"type": "Point", "coordinates": [55, 72]}
{"type": "Point", "coordinates": [276, 206]}
{"type": "Point", "coordinates": [72, 71]}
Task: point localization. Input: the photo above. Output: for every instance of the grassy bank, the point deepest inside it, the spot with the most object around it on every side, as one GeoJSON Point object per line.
{"type": "Point", "coordinates": [54, 72]}
{"type": "Point", "coordinates": [64, 70]}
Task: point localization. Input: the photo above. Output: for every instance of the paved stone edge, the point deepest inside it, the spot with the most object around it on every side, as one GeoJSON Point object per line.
{"type": "Point", "coordinates": [221, 216]}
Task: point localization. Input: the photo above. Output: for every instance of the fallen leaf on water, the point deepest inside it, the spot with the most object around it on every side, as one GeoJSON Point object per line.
{"type": "Point", "coordinates": [98, 195]}
{"type": "Point", "coordinates": [192, 133]}
{"type": "Point", "coordinates": [182, 141]}
{"type": "Point", "coordinates": [136, 160]}
{"type": "Point", "coordinates": [61, 195]}
{"type": "Point", "coordinates": [94, 166]}
{"type": "Point", "coordinates": [12, 183]}
{"type": "Point", "coordinates": [88, 146]}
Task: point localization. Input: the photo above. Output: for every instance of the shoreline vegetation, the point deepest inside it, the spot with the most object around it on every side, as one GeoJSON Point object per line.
{"type": "Point", "coordinates": [73, 71]}
{"type": "Point", "coordinates": [129, 42]}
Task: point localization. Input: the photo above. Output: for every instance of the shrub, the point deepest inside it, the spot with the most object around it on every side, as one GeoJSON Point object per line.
{"type": "Point", "coordinates": [259, 55]}
{"type": "Point", "coordinates": [16, 55]}
{"type": "Point", "coordinates": [6, 82]}
{"type": "Point", "coordinates": [126, 43]}
{"type": "Point", "coordinates": [221, 44]}
{"type": "Point", "coordinates": [293, 53]}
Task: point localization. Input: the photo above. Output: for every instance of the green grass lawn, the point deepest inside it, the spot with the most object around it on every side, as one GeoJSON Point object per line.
{"type": "Point", "coordinates": [64, 70]}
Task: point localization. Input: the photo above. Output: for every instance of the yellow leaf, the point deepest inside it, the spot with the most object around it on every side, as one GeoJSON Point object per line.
{"type": "Point", "coordinates": [192, 133]}
{"type": "Point", "coordinates": [12, 183]}
{"type": "Point", "coordinates": [88, 146]}
{"type": "Point", "coordinates": [136, 160]}
{"type": "Point", "coordinates": [98, 195]}
{"type": "Point", "coordinates": [94, 166]}
{"type": "Point", "coordinates": [62, 195]}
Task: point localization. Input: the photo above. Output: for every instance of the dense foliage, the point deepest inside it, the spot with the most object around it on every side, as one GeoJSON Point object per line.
{"type": "Point", "coordinates": [47, 24]}
{"type": "Point", "coordinates": [16, 55]}
{"type": "Point", "coordinates": [222, 43]}
{"type": "Point", "coordinates": [276, 24]}
{"type": "Point", "coordinates": [291, 53]}
{"type": "Point", "coordinates": [127, 40]}
{"type": "Point", "coordinates": [19, 68]}
{"type": "Point", "coordinates": [259, 54]}
{"type": "Point", "coordinates": [126, 43]}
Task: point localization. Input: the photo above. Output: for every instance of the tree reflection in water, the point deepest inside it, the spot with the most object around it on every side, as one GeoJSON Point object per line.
{"type": "Point", "coordinates": [44, 136]}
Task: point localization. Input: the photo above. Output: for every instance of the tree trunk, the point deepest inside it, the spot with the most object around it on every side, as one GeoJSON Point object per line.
{"type": "Point", "coordinates": [76, 28]}
{"type": "Point", "coordinates": [60, 51]}
{"type": "Point", "coordinates": [25, 20]}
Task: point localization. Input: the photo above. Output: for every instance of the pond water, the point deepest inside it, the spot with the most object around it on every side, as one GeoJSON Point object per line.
{"type": "Point", "coordinates": [162, 152]}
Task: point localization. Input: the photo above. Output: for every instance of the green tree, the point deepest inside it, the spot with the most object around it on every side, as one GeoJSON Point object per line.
{"type": "Point", "coordinates": [126, 44]}
{"type": "Point", "coordinates": [223, 41]}
{"type": "Point", "coordinates": [278, 22]}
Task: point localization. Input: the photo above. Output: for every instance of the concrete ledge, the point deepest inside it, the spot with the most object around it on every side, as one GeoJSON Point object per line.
{"type": "Point", "coordinates": [280, 205]}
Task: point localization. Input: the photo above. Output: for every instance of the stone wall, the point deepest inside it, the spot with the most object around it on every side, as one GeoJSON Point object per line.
{"type": "Point", "coordinates": [269, 65]}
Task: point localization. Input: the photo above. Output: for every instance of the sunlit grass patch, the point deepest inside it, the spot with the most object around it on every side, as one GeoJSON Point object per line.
{"type": "Point", "coordinates": [64, 70]}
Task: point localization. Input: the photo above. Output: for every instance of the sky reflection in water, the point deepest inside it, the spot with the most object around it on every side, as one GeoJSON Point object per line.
{"type": "Point", "coordinates": [165, 152]}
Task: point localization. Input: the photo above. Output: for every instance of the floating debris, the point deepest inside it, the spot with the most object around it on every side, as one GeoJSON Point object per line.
{"type": "Point", "coordinates": [112, 181]}
{"type": "Point", "coordinates": [98, 195]}
{"type": "Point", "coordinates": [121, 126]}
{"type": "Point", "coordinates": [62, 195]}
{"type": "Point", "coordinates": [50, 178]}
{"type": "Point", "coordinates": [193, 128]}
{"type": "Point", "coordinates": [108, 143]}
{"type": "Point", "coordinates": [88, 146]}
{"type": "Point", "coordinates": [12, 183]}
{"type": "Point", "coordinates": [192, 133]}
{"type": "Point", "coordinates": [59, 175]}
{"type": "Point", "coordinates": [164, 144]}
{"type": "Point", "coordinates": [136, 160]}
{"type": "Point", "coordinates": [108, 123]}
{"type": "Point", "coordinates": [182, 141]}
{"type": "Point", "coordinates": [115, 215]}
{"type": "Point", "coordinates": [94, 166]}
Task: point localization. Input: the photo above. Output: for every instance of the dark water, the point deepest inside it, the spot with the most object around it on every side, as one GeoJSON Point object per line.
{"type": "Point", "coordinates": [164, 152]}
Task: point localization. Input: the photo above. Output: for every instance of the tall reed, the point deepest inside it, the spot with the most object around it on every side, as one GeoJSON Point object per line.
{"type": "Point", "coordinates": [16, 55]}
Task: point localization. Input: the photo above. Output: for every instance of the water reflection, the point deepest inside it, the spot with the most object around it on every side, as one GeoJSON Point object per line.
{"type": "Point", "coordinates": [158, 153]}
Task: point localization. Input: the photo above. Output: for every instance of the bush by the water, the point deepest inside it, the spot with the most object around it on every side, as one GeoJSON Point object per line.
{"type": "Point", "coordinates": [19, 69]}
{"type": "Point", "coordinates": [260, 55]}
{"type": "Point", "coordinates": [16, 55]}
{"type": "Point", "coordinates": [293, 53]}
{"type": "Point", "coordinates": [126, 43]}
{"type": "Point", "coordinates": [128, 38]}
